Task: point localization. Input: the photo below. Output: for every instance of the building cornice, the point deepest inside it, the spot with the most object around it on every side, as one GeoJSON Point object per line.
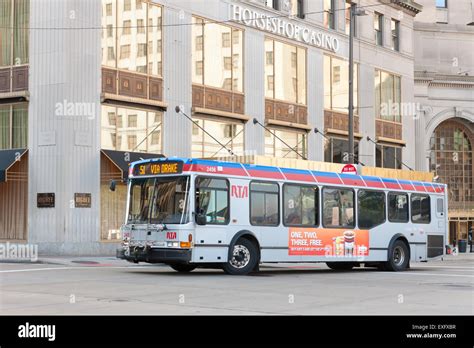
{"type": "Point", "coordinates": [409, 5]}
{"type": "Point", "coordinates": [443, 80]}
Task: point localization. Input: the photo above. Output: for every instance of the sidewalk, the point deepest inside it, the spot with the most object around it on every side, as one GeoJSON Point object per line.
{"type": "Point", "coordinates": [467, 256]}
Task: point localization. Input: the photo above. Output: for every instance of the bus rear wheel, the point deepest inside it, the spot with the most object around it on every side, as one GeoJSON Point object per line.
{"type": "Point", "coordinates": [182, 267]}
{"type": "Point", "coordinates": [243, 258]}
{"type": "Point", "coordinates": [341, 266]}
{"type": "Point", "coordinates": [398, 257]}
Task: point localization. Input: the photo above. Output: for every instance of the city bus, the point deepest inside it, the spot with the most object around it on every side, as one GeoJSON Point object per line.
{"type": "Point", "coordinates": [197, 213]}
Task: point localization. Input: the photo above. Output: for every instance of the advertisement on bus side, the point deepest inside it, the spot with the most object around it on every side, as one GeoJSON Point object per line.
{"type": "Point", "coordinates": [328, 242]}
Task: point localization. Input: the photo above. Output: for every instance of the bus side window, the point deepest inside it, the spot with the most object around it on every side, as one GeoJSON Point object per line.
{"type": "Point", "coordinates": [212, 199]}
{"type": "Point", "coordinates": [338, 207]}
{"type": "Point", "coordinates": [371, 208]}
{"type": "Point", "coordinates": [420, 209]}
{"type": "Point", "coordinates": [264, 207]}
{"type": "Point", "coordinates": [300, 205]}
{"type": "Point", "coordinates": [397, 207]}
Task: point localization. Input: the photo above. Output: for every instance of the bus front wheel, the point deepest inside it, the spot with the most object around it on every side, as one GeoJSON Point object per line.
{"type": "Point", "coordinates": [398, 257]}
{"type": "Point", "coordinates": [243, 259]}
{"type": "Point", "coordinates": [182, 267]}
{"type": "Point", "coordinates": [340, 266]}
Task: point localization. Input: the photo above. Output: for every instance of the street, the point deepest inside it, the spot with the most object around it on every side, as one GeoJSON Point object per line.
{"type": "Point", "coordinates": [110, 286]}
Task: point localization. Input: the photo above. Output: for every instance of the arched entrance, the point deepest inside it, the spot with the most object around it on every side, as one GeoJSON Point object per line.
{"type": "Point", "coordinates": [451, 158]}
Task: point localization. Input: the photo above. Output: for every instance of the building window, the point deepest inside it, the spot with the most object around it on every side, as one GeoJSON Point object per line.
{"type": "Point", "coordinates": [132, 121]}
{"type": "Point", "coordinates": [264, 207]}
{"type": "Point", "coordinates": [226, 39]}
{"type": "Point", "coordinates": [338, 207]}
{"type": "Point", "coordinates": [212, 200]}
{"type": "Point", "coordinates": [110, 30]}
{"type": "Point", "coordinates": [127, 28]}
{"type": "Point", "coordinates": [142, 131]}
{"type": "Point", "coordinates": [199, 68]}
{"type": "Point", "coordinates": [300, 205]}
{"type": "Point", "coordinates": [14, 32]}
{"type": "Point", "coordinates": [13, 126]}
{"type": "Point", "coordinates": [110, 53]}
{"type": "Point", "coordinates": [297, 8]}
{"type": "Point", "coordinates": [227, 63]}
{"type": "Point", "coordinates": [420, 209]}
{"type": "Point", "coordinates": [134, 55]}
{"type": "Point", "coordinates": [199, 42]}
{"type": "Point", "coordinates": [336, 85]}
{"type": "Point", "coordinates": [217, 46]}
{"type": "Point", "coordinates": [388, 156]}
{"type": "Point", "coordinates": [329, 17]}
{"type": "Point", "coordinates": [378, 28]}
{"type": "Point", "coordinates": [108, 9]}
{"type": "Point", "coordinates": [371, 208]}
{"type": "Point", "coordinates": [124, 51]}
{"type": "Point", "coordinates": [297, 141]}
{"type": "Point", "coordinates": [142, 50]}
{"type": "Point", "coordinates": [387, 96]}
{"type": "Point", "coordinates": [140, 26]}
{"type": "Point", "coordinates": [395, 27]}
{"type": "Point", "coordinates": [127, 5]}
{"type": "Point", "coordinates": [269, 58]}
{"type": "Point", "coordinates": [442, 3]}
{"type": "Point", "coordinates": [336, 150]}
{"type": "Point", "coordinates": [452, 159]}
{"type": "Point", "coordinates": [230, 134]}
{"type": "Point", "coordinates": [272, 4]}
{"type": "Point", "coordinates": [287, 63]}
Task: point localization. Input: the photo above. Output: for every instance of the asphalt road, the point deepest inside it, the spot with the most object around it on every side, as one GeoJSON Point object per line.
{"type": "Point", "coordinates": [110, 286]}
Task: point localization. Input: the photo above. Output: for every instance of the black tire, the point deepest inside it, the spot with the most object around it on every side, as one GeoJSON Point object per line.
{"type": "Point", "coordinates": [243, 259]}
{"type": "Point", "coordinates": [340, 266]}
{"type": "Point", "coordinates": [182, 267]}
{"type": "Point", "coordinates": [398, 257]}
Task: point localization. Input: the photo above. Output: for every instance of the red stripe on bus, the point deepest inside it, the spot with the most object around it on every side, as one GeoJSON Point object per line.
{"type": "Point", "coordinates": [372, 183]}
{"type": "Point", "coordinates": [328, 179]}
{"type": "Point", "coordinates": [419, 188]}
{"type": "Point", "coordinates": [407, 187]}
{"type": "Point", "coordinates": [430, 188]}
{"type": "Point", "coordinates": [392, 185]}
{"type": "Point", "coordinates": [265, 174]}
{"type": "Point", "coordinates": [352, 182]}
{"type": "Point", "coordinates": [299, 177]}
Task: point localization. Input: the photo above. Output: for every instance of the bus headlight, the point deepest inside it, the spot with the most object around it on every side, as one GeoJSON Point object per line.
{"type": "Point", "coordinates": [173, 244]}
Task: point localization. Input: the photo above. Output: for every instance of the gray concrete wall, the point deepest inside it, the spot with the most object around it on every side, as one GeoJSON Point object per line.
{"type": "Point", "coordinates": [64, 146]}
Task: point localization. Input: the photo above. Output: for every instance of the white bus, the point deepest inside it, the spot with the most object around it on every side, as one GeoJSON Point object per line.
{"type": "Point", "coordinates": [190, 213]}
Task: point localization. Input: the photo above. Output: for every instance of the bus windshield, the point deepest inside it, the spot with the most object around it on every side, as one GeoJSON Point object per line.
{"type": "Point", "coordinates": [159, 200]}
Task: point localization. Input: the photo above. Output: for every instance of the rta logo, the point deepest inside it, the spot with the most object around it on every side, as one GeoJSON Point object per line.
{"type": "Point", "coordinates": [238, 191]}
{"type": "Point", "coordinates": [170, 235]}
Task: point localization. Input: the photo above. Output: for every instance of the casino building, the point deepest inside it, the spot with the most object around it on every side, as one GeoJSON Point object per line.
{"type": "Point", "coordinates": [88, 86]}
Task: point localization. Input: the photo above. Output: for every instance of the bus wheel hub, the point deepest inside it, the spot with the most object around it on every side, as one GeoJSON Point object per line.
{"type": "Point", "coordinates": [240, 257]}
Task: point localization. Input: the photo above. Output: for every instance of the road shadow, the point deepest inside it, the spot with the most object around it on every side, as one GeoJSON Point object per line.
{"type": "Point", "coordinates": [265, 272]}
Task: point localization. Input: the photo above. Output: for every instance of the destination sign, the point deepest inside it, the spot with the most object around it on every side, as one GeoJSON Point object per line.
{"type": "Point", "coordinates": [158, 168]}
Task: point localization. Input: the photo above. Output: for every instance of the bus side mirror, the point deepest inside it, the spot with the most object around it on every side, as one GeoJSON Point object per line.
{"type": "Point", "coordinates": [112, 185]}
{"type": "Point", "coordinates": [201, 218]}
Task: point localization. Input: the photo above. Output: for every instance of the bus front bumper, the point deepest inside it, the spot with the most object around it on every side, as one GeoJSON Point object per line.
{"type": "Point", "coordinates": [155, 255]}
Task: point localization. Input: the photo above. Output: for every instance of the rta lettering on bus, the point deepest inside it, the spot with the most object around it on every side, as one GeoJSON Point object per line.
{"type": "Point", "coordinates": [190, 213]}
